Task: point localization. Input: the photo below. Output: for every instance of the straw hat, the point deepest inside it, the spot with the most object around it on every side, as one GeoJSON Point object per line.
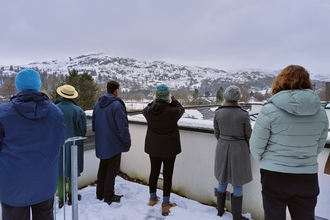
{"type": "Point", "coordinates": [67, 91]}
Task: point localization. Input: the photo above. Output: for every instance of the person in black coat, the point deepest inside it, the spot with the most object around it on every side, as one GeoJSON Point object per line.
{"type": "Point", "coordinates": [162, 142]}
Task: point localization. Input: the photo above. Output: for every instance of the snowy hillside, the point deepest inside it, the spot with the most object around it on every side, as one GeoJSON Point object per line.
{"type": "Point", "coordinates": [146, 74]}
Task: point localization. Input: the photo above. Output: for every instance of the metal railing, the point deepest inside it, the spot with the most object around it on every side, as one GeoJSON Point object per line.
{"type": "Point", "coordinates": [74, 177]}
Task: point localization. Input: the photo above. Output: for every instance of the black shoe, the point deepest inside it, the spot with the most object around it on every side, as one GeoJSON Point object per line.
{"type": "Point", "coordinates": [60, 204]}
{"type": "Point", "coordinates": [99, 197]}
{"type": "Point", "coordinates": [115, 198]}
{"type": "Point", "coordinates": [70, 200]}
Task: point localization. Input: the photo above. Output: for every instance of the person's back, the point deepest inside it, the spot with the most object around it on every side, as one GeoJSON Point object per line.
{"type": "Point", "coordinates": [32, 130]}
{"type": "Point", "coordinates": [112, 138]}
{"type": "Point", "coordinates": [297, 119]}
{"type": "Point", "coordinates": [75, 121]}
{"type": "Point", "coordinates": [162, 118]}
{"type": "Point", "coordinates": [75, 117]}
{"type": "Point", "coordinates": [162, 142]}
{"type": "Point", "coordinates": [232, 129]}
{"type": "Point", "coordinates": [110, 125]}
{"type": "Point", "coordinates": [289, 133]}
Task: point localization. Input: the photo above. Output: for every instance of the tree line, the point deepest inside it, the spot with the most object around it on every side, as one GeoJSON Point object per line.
{"type": "Point", "coordinates": [89, 90]}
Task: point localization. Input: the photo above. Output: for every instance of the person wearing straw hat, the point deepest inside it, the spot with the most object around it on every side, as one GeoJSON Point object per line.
{"type": "Point", "coordinates": [32, 131]}
{"type": "Point", "coordinates": [75, 120]}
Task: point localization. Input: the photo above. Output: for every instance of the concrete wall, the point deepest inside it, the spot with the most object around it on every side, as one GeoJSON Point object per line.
{"type": "Point", "coordinates": [194, 169]}
{"type": "Point", "coordinates": [193, 173]}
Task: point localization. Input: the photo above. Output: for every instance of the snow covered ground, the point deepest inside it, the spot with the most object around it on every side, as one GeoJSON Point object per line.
{"type": "Point", "coordinates": [134, 206]}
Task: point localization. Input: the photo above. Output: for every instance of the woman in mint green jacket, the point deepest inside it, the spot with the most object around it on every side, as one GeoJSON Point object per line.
{"type": "Point", "coordinates": [289, 133]}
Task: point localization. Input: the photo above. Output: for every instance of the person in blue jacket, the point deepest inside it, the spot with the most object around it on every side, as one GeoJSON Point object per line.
{"type": "Point", "coordinates": [32, 131]}
{"type": "Point", "coordinates": [290, 132]}
{"type": "Point", "coordinates": [75, 121]}
{"type": "Point", "coordinates": [112, 137]}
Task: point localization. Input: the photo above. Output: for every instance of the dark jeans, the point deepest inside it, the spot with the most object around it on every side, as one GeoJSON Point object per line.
{"type": "Point", "coordinates": [108, 170]}
{"type": "Point", "coordinates": [168, 166]}
{"type": "Point", "coordinates": [40, 211]}
{"type": "Point", "coordinates": [298, 192]}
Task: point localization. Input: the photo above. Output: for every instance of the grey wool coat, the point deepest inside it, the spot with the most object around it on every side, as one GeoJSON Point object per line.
{"type": "Point", "coordinates": [232, 129]}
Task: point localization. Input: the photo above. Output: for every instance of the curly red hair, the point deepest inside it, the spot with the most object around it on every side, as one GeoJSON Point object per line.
{"type": "Point", "coordinates": [291, 77]}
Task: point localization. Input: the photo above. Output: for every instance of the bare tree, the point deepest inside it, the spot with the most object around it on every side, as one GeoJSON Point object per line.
{"type": "Point", "coordinates": [7, 88]}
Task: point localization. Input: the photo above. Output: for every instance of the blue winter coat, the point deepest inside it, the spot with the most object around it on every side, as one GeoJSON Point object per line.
{"type": "Point", "coordinates": [289, 133]}
{"type": "Point", "coordinates": [32, 131]}
{"type": "Point", "coordinates": [75, 121]}
{"type": "Point", "coordinates": [110, 125]}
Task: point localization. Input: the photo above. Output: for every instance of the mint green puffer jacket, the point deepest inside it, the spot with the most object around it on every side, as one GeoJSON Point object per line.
{"type": "Point", "coordinates": [289, 133]}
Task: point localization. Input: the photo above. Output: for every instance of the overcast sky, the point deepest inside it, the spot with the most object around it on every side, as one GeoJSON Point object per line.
{"type": "Point", "coordinates": [223, 34]}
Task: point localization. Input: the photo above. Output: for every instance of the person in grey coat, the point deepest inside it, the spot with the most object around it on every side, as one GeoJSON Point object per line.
{"type": "Point", "coordinates": [290, 131]}
{"type": "Point", "coordinates": [232, 129]}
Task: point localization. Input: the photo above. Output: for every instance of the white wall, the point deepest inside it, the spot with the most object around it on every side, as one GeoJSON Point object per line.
{"type": "Point", "coordinates": [194, 169]}
{"type": "Point", "coordinates": [194, 172]}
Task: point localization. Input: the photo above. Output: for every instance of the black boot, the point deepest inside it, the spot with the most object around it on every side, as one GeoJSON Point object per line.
{"type": "Point", "coordinates": [70, 199]}
{"type": "Point", "coordinates": [221, 199]}
{"type": "Point", "coordinates": [236, 208]}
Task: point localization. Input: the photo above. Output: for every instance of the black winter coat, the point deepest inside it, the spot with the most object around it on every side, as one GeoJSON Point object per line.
{"type": "Point", "coordinates": [163, 137]}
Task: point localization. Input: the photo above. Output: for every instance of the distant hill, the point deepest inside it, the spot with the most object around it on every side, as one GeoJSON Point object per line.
{"type": "Point", "coordinates": [138, 74]}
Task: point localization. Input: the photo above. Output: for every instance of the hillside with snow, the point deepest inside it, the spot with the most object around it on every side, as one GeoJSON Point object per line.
{"type": "Point", "coordinates": [139, 74]}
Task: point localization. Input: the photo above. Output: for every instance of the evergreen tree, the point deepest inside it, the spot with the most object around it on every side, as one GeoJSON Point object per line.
{"type": "Point", "coordinates": [195, 94]}
{"type": "Point", "coordinates": [219, 95]}
{"type": "Point", "coordinates": [85, 86]}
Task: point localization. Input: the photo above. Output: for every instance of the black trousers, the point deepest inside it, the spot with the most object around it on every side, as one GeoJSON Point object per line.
{"type": "Point", "coordinates": [40, 211]}
{"type": "Point", "coordinates": [298, 192]}
{"type": "Point", "coordinates": [108, 170]}
{"type": "Point", "coordinates": [168, 167]}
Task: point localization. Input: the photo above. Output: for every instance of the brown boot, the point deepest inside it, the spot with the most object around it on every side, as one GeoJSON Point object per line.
{"type": "Point", "coordinates": [166, 208]}
{"type": "Point", "coordinates": [153, 202]}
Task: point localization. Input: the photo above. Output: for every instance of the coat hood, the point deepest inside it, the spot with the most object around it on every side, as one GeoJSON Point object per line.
{"type": "Point", "coordinates": [105, 100]}
{"type": "Point", "coordinates": [297, 102]}
{"type": "Point", "coordinates": [158, 108]}
{"type": "Point", "coordinates": [31, 104]}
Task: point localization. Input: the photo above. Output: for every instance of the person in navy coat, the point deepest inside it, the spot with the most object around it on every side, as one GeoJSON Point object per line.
{"type": "Point", "coordinates": [112, 137]}
{"type": "Point", "coordinates": [32, 132]}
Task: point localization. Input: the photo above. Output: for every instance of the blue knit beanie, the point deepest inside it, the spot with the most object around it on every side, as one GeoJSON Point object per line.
{"type": "Point", "coordinates": [28, 79]}
{"type": "Point", "coordinates": [162, 92]}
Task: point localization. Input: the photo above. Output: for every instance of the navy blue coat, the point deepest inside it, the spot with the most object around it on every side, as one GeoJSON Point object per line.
{"type": "Point", "coordinates": [110, 125]}
{"type": "Point", "coordinates": [163, 137]}
{"type": "Point", "coordinates": [32, 131]}
{"type": "Point", "coordinates": [75, 121]}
